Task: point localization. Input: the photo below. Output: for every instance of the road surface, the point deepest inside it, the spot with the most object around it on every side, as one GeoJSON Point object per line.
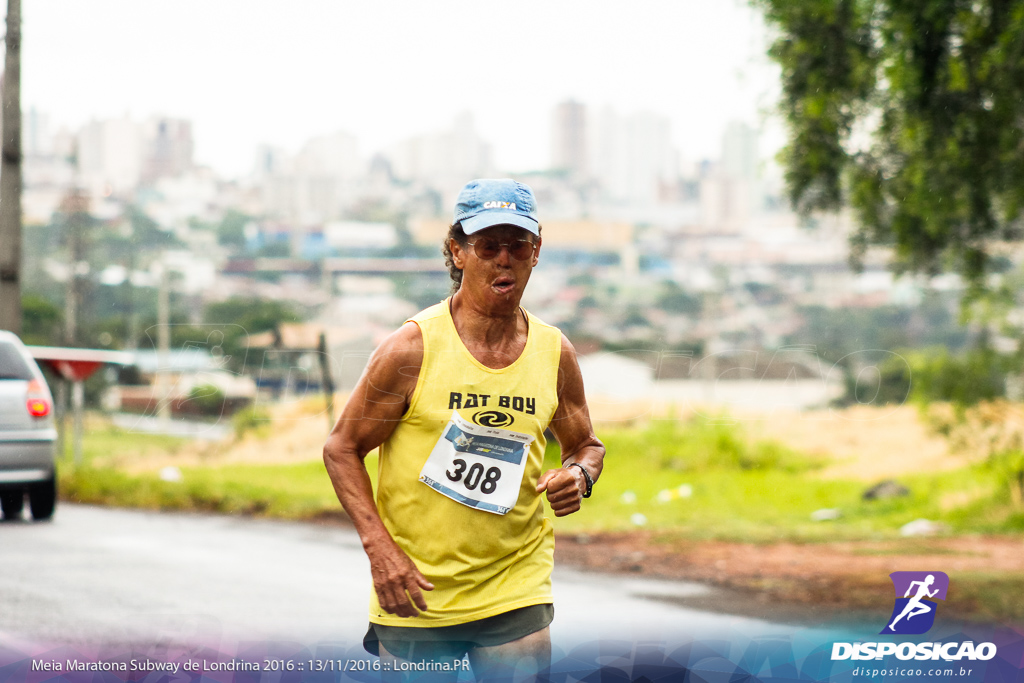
{"type": "Point", "coordinates": [98, 577]}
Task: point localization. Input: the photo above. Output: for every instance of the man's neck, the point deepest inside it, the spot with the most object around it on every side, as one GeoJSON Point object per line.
{"type": "Point", "coordinates": [483, 329]}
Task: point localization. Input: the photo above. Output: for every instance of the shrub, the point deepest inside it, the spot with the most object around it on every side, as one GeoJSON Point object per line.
{"type": "Point", "coordinates": [251, 419]}
{"type": "Point", "coordinates": [927, 376]}
{"type": "Point", "coordinates": [701, 444]}
{"type": "Point", "coordinates": [977, 375]}
{"type": "Point", "coordinates": [205, 399]}
{"type": "Point", "coordinates": [991, 432]}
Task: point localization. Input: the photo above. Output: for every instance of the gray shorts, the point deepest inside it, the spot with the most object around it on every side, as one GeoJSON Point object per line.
{"type": "Point", "coordinates": [447, 643]}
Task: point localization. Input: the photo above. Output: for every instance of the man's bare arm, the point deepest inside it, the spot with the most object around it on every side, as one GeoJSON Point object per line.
{"type": "Point", "coordinates": [376, 406]}
{"type": "Point", "coordinates": [571, 426]}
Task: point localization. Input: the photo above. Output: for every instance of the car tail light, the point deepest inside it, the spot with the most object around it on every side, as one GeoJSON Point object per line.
{"type": "Point", "coordinates": [37, 402]}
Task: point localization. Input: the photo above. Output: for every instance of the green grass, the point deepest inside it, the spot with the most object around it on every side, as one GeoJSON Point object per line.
{"type": "Point", "coordinates": [741, 491]}
{"type": "Point", "coordinates": [290, 491]}
{"type": "Point", "coordinates": [108, 444]}
{"type": "Point", "coordinates": [764, 492]}
{"type": "Point", "coordinates": [296, 491]}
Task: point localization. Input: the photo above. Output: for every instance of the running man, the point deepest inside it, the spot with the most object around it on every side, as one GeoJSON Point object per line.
{"type": "Point", "coordinates": [915, 606]}
{"type": "Point", "coordinates": [458, 400]}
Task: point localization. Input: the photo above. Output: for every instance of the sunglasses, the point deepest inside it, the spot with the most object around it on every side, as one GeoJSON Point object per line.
{"type": "Point", "coordinates": [487, 248]}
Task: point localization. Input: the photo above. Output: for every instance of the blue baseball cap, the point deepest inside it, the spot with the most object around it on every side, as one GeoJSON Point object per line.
{"type": "Point", "coordinates": [486, 202]}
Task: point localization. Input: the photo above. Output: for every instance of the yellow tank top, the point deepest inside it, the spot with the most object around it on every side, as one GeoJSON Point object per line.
{"type": "Point", "coordinates": [482, 563]}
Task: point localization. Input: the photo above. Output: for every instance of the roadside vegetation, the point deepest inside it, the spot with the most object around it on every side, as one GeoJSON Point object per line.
{"type": "Point", "coordinates": [688, 499]}
{"type": "Point", "coordinates": [707, 481]}
{"type": "Point", "coordinates": [696, 479]}
{"type": "Point", "coordinates": [125, 468]}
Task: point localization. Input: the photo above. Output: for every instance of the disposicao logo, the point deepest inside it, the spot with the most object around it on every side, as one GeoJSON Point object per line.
{"type": "Point", "coordinates": [914, 614]}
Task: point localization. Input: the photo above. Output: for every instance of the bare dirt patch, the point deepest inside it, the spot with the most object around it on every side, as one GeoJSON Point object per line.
{"type": "Point", "coordinates": [864, 442]}
{"type": "Point", "coordinates": [295, 432]}
{"type": "Point", "coordinates": [775, 580]}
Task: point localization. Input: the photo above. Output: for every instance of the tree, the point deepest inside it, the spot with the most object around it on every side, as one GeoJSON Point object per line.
{"type": "Point", "coordinates": [231, 229]}
{"type": "Point", "coordinates": [674, 299]}
{"type": "Point", "coordinates": [252, 314]}
{"type": "Point", "coordinates": [41, 321]}
{"type": "Point", "coordinates": [146, 233]}
{"type": "Point", "coordinates": [908, 111]}
{"type": "Point", "coordinates": [239, 316]}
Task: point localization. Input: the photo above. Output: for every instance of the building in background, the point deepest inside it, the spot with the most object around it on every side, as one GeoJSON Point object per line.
{"type": "Point", "coordinates": [444, 160]}
{"type": "Point", "coordinates": [37, 140]}
{"type": "Point", "coordinates": [740, 158]}
{"type": "Point", "coordinates": [167, 148]}
{"type": "Point", "coordinates": [569, 140]}
{"type": "Point", "coordinates": [632, 156]}
{"type": "Point", "coordinates": [110, 154]}
{"type": "Point", "coordinates": [48, 170]}
{"type": "Point", "coordinates": [317, 184]}
{"type": "Point", "coordinates": [731, 193]}
{"type": "Point", "coordinates": [117, 156]}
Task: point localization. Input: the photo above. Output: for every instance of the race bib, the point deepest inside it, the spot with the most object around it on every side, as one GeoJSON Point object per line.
{"type": "Point", "coordinates": [481, 467]}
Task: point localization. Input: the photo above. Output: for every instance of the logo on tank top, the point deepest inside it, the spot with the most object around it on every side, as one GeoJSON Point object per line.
{"type": "Point", "coordinates": [493, 418]}
{"type": "Point", "coordinates": [522, 404]}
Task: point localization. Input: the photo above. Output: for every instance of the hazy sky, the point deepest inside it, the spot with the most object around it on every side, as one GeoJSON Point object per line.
{"type": "Point", "coordinates": [251, 71]}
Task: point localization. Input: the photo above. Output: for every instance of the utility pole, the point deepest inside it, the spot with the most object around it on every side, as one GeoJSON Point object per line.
{"type": "Point", "coordinates": [163, 314]}
{"type": "Point", "coordinates": [75, 207]}
{"type": "Point", "coordinates": [131, 342]}
{"type": "Point", "coordinates": [10, 177]}
{"type": "Point", "coordinates": [328, 381]}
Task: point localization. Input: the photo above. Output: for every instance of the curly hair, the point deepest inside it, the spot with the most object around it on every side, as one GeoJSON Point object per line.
{"type": "Point", "coordinates": [455, 232]}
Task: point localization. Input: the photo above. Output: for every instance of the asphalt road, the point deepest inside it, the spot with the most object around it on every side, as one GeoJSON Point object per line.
{"type": "Point", "coordinates": [103, 576]}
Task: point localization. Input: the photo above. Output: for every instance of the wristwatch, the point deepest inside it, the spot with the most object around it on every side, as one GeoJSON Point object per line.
{"type": "Point", "coordinates": [586, 475]}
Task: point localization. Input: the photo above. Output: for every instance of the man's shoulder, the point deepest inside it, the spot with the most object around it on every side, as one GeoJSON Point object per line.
{"type": "Point", "coordinates": [404, 346]}
{"type": "Point", "coordinates": [438, 310]}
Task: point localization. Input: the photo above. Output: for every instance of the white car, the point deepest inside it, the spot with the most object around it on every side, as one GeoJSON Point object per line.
{"type": "Point", "coordinates": [27, 434]}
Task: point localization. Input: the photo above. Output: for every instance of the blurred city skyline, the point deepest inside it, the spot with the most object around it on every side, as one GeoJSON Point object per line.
{"type": "Point", "coordinates": [287, 177]}
{"type": "Point", "coordinates": [384, 73]}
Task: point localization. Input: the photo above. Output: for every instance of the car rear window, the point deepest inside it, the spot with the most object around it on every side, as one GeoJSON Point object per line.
{"type": "Point", "coordinates": [12, 365]}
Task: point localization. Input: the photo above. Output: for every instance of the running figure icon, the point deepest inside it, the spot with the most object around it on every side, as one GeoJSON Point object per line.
{"type": "Point", "coordinates": [916, 594]}
{"type": "Point", "coordinates": [915, 606]}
